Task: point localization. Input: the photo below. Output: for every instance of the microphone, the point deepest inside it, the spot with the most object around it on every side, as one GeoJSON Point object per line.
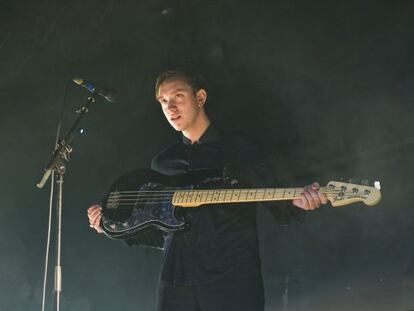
{"type": "Point", "coordinates": [105, 93]}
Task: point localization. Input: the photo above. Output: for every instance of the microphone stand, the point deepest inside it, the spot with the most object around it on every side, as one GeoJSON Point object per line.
{"type": "Point", "coordinates": [58, 165]}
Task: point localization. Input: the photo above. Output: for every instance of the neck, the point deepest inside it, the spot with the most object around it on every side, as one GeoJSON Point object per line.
{"type": "Point", "coordinates": [195, 132]}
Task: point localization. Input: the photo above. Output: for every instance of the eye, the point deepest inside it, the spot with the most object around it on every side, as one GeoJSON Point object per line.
{"type": "Point", "coordinates": [178, 95]}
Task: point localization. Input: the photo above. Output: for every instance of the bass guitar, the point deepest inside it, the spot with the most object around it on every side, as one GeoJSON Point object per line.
{"type": "Point", "coordinates": [144, 199]}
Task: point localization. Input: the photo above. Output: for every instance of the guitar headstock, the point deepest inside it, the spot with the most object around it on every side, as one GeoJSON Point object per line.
{"type": "Point", "coordinates": [341, 193]}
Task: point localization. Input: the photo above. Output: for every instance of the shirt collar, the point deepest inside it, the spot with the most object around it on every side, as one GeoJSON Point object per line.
{"type": "Point", "coordinates": [211, 134]}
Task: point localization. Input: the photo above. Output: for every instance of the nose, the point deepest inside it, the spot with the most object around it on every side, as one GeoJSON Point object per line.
{"type": "Point", "coordinates": [171, 106]}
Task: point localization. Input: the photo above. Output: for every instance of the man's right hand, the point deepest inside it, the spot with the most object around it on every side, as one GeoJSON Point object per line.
{"type": "Point", "coordinates": [95, 215]}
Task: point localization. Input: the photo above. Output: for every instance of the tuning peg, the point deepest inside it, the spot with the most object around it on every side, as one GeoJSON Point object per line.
{"type": "Point", "coordinates": [377, 185]}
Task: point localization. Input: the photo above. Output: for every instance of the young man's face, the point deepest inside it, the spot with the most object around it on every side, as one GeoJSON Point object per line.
{"type": "Point", "coordinates": [180, 105]}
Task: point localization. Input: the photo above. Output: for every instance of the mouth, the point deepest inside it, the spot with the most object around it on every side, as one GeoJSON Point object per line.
{"type": "Point", "coordinates": [173, 119]}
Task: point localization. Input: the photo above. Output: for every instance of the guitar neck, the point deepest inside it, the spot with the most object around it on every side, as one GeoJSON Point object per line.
{"type": "Point", "coordinates": [195, 198]}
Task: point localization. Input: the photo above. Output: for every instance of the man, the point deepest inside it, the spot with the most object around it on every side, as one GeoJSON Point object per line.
{"type": "Point", "coordinates": [213, 265]}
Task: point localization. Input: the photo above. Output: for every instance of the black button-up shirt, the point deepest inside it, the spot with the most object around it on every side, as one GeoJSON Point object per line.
{"type": "Point", "coordinates": [220, 237]}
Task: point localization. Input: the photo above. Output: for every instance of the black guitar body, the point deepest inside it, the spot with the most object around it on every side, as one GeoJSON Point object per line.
{"type": "Point", "coordinates": [141, 200]}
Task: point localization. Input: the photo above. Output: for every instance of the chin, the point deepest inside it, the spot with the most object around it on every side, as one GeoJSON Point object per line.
{"type": "Point", "coordinates": [178, 128]}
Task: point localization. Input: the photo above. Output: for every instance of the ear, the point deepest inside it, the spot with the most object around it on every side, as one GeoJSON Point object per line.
{"type": "Point", "coordinates": [201, 97]}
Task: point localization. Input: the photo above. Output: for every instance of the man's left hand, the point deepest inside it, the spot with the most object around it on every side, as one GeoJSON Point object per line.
{"type": "Point", "coordinates": [311, 198]}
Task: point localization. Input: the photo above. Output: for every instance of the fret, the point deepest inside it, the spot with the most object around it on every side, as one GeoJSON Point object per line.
{"type": "Point", "coordinates": [214, 196]}
{"type": "Point", "coordinates": [256, 194]}
{"type": "Point", "coordinates": [294, 193]}
{"type": "Point", "coordinates": [268, 194]}
{"type": "Point", "coordinates": [209, 196]}
{"type": "Point", "coordinates": [290, 193]}
{"type": "Point", "coordinates": [194, 196]}
{"type": "Point", "coordinates": [274, 192]}
{"type": "Point", "coordinates": [250, 195]}
{"type": "Point", "coordinates": [204, 196]}
{"type": "Point", "coordinates": [190, 196]}
{"type": "Point", "coordinates": [236, 195]}
{"type": "Point", "coordinates": [243, 195]}
{"type": "Point", "coordinates": [186, 196]}
{"type": "Point", "coordinates": [260, 194]}
{"type": "Point", "coordinates": [181, 199]}
{"type": "Point", "coordinates": [198, 197]}
{"type": "Point", "coordinates": [227, 195]}
{"type": "Point", "coordinates": [183, 196]}
{"type": "Point", "coordinates": [221, 195]}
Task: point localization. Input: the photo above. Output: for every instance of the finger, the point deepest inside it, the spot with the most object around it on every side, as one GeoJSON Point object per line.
{"type": "Point", "coordinates": [95, 213]}
{"type": "Point", "coordinates": [92, 219]}
{"type": "Point", "coordinates": [98, 227]}
{"type": "Point", "coordinates": [93, 208]}
{"type": "Point", "coordinates": [323, 198]}
{"type": "Point", "coordinates": [95, 220]}
{"type": "Point", "coordinates": [309, 199]}
{"type": "Point", "coordinates": [315, 198]}
{"type": "Point", "coordinates": [315, 186]}
{"type": "Point", "coordinates": [304, 202]}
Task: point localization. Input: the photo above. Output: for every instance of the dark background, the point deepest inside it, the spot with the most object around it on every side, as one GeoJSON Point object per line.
{"type": "Point", "coordinates": [326, 87]}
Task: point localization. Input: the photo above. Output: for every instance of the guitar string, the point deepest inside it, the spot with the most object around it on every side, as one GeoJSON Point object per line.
{"type": "Point", "coordinates": [198, 193]}
{"type": "Point", "coordinates": [160, 200]}
{"type": "Point", "coordinates": [157, 199]}
{"type": "Point", "coordinates": [205, 201]}
{"type": "Point", "coordinates": [137, 198]}
{"type": "Point", "coordinates": [146, 197]}
{"type": "Point", "coordinates": [322, 189]}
